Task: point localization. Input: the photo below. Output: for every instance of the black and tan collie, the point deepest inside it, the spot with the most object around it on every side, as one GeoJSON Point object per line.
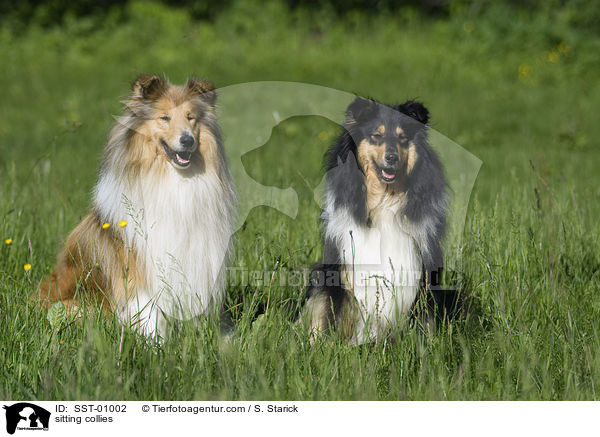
{"type": "Point", "coordinates": [156, 238]}
{"type": "Point", "coordinates": [384, 219]}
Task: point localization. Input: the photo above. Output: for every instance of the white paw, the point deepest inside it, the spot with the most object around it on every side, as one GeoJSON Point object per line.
{"type": "Point", "coordinates": [144, 316]}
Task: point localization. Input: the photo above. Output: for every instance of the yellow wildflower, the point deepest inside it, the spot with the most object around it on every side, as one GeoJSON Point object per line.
{"type": "Point", "coordinates": [123, 223]}
{"type": "Point", "coordinates": [106, 226]}
{"type": "Point", "coordinates": [8, 241]}
{"type": "Point", "coordinates": [553, 57]}
{"type": "Point", "coordinates": [524, 70]}
{"type": "Point", "coordinates": [27, 267]}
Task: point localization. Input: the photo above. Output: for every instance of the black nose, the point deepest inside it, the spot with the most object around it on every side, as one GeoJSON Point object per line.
{"type": "Point", "coordinates": [391, 158]}
{"type": "Point", "coordinates": [187, 141]}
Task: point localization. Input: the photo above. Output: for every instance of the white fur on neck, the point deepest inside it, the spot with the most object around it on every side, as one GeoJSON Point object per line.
{"type": "Point", "coordinates": [387, 250]}
{"type": "Point", "coordinates": [180, 229]}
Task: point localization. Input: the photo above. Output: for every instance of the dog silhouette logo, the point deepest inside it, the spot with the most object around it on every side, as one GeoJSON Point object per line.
{"type": "Point", "coordinates": [26, 416]}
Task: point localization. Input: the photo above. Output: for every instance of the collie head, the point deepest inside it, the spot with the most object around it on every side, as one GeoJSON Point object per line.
{"type": "Point", "coordinates": [388, 139]}
{"type": "Point", "coordinates": [166, 127]}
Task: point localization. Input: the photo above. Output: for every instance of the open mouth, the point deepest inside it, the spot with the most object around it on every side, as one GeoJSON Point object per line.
{"type": "Point", "coordinates": [179, 159]}
{"type": "Point", "coordinates": [387, 175]}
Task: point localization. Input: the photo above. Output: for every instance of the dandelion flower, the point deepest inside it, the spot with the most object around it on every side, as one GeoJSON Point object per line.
{"type": "Point", "coordinates": [106, 226]}
{"type": "Point", "coordinates": [123, 223]}
{"type": "Point", "coordinates": [8, 241]}
{"type": "Point", "coordinates": [27, 267]}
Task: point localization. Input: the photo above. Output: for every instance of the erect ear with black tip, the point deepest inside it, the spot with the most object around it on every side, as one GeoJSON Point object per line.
{"type": "Point", "coordinates": [148, 86]}
{"type": "Point", "coordinates": [415, 110]}
{"type": "Point", "coordinates": [360, 109]}
{"type": "Point", "coordinates": [203, 89]}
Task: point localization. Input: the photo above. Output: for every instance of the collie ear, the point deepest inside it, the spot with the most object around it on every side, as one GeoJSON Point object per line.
{"type": "Point", "coordinates": [415, 110]}
{"type": "Point", "coordinates": [203, 89]}
{"type": "Point", "coordinates": [148, 86]}
{"type": "Point", "coordinates": [360, 109]}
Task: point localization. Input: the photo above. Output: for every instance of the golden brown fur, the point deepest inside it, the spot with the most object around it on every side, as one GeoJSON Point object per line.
{"type": "Point", "coordinates": [93, 265]}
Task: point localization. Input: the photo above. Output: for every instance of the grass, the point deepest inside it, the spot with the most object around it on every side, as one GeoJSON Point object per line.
{"type": "Point", "coordinates": [530, 253]}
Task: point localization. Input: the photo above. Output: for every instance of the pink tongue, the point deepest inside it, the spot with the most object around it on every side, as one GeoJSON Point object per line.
{"type": "Point", "coordinates": [387, 175]}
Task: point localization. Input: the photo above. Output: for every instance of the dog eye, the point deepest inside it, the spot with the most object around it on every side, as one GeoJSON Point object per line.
{"type": "Point", "coordinates": [165, 118]}
{"type": "Point", "coordinates": [376, 135]}
{"type": "Point", "coordinates": [191, 117]}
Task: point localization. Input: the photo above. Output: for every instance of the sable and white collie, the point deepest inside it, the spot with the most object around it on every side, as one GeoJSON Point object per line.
{"type": "Point", "coordinates": [383, 222]}
{"type": "Point", "coordinates": [156, 240]}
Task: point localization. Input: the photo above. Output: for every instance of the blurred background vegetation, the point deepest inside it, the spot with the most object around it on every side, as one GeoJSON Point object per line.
{"type": "Point", "coordinates": [549, 19]}
{"type": "Point", "coordinates": [581, 14]}
{"type": "Point", "coordinates": [517, 83]}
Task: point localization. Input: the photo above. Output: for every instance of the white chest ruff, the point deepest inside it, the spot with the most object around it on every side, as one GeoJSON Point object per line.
{"type": "Point", "coordinates": [381, 265]}
{"type": "Point", "coordinates": [180, 230]}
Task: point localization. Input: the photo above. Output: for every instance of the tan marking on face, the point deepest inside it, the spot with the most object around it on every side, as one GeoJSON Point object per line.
{"type": "Point", "coordinates": [369, 152]}
{"type": "Point", "coordinates": [399, 131]}
{"type": "Point", "coordinates": [380, 130]}
{"type": "Point", "coordinates": [411, 158]}
{"type": "Point", "coordinates": [380, 196]}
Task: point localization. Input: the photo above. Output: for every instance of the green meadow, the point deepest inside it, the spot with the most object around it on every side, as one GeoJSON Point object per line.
{"type": "Point", "coordinates": [521, 94]}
